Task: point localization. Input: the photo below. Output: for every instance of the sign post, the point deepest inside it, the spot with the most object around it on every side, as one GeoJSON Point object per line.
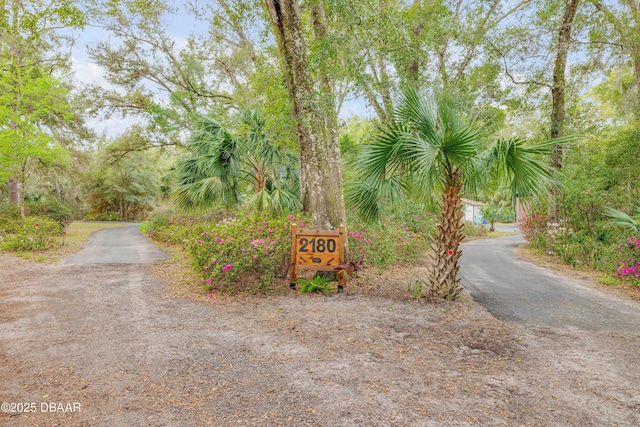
{"type": "Point", "coordinates": [320, 250]}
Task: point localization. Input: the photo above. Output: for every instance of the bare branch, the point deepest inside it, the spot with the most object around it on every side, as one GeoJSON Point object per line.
{"type": "Point", "coordinates": [511, 77]}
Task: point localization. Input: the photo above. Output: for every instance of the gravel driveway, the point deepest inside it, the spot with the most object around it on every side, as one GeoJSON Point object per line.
{"type": "Point", "coordinates": [108, 339]}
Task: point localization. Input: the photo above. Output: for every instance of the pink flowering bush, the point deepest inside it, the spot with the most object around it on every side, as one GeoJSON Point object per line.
{"type": "Point", "coordinates": [175, 228]}
{"type": "Point", "coordinates": [240, 252]}
{"type": "Point", "coordinates": [534, 229]}
{"type": "Point", "coordinates": [629, 258]}
{"type": "Point", "coordinates": [44, 226]}
{"type": "Point", "coordinates": [245, 252]}
{"type": "Point", "coordinates": [395, 240]}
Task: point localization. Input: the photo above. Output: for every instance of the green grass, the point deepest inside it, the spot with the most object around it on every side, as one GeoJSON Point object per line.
{"type": "Point", "coordinates": [79, 231]}
{"type": "Point", "coordinates": [610, 281]}
{"type": "Point", "coordinates": [617, 281]}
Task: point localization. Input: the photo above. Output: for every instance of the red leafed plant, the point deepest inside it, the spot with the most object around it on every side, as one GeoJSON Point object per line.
{"type": "Point", "coordinates": [351, 267]}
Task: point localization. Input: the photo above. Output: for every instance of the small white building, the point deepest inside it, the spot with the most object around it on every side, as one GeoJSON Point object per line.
{"type": "Point", "coordinates": [473, 211]}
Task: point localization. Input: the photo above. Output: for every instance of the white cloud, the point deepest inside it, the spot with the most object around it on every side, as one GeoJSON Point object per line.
{"type": "Point", "coordinates": [88, 73]}
{"type": "Point", "coordinates": [113, 126]}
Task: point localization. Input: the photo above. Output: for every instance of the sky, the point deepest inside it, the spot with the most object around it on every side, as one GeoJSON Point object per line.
{"type": "Point", "coordinates": [89, 73]}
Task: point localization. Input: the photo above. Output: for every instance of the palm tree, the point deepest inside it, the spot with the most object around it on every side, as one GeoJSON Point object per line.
{"type": "Point", "coordinates": [491, 214]}
{"type": "Point", "coordinates": [428, 147]}
{"type": "Point", "coordinates": [232, 171]}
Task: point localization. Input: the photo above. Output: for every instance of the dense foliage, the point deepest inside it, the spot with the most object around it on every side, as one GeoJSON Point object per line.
{"type": "Point", "coordinates": [402, 238]}
{"type": "Point", "coordinates": [43, 227]}
{"type": "Point", "coordinates": [246, 169]}
{"type": "Point", "coordinates": [249, 251]}
{"type": "Point", "coordinates": [604, 249]}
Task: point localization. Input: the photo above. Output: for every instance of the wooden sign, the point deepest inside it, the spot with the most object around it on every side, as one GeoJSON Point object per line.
{"type": "Point", "coordinates": [320, 250]}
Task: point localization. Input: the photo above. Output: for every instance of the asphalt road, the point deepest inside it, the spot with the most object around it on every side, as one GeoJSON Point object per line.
{"type": "Point", "coordinates": [124, 245]}
{"type": "Point", "coordinates": [516, 290]}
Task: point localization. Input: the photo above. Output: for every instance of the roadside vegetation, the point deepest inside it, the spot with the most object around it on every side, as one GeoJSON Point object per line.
{"type": "Point", "coordinates": [47, 233]}
{"type": "Point", "coordinates": [597, 228]}
{"type": "Point", "coordinates": [234, 134]}
{"type": "Point", "coordinates": [250, 251]}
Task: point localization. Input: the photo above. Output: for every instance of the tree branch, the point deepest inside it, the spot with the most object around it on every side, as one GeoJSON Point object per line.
{"type": "Point", "coordinates": [508, 73]}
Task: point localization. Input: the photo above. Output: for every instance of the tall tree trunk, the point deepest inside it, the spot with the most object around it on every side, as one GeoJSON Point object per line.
{"type": "Point", "coordinates": [14, 195]}
{"type": "Point", "coordinates": [636, 67]}
{"type": "Point", "coordinates": [634, 6]}
{"type": "Point", "coordinates": [558, 111]}
{"type": "Point", "coordinates": [329, 110]}
{"type": "Point", "coordinates": [57, 189]}
{"type": "Point", "coordinates": [415, 66]}
{"type": "Point", "coordinates": [320, 176]}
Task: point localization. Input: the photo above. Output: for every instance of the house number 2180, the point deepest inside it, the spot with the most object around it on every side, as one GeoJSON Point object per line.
{"type": "Point", "coordinates": [317, 245]}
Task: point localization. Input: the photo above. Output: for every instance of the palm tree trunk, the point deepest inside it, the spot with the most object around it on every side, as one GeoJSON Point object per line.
{"type": "Point", "coordinates": [443, 275]}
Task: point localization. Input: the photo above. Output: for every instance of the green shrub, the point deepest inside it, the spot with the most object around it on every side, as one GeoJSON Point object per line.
{"type": "Point", "coordinates": [580, 249]}
{"type": "Point", "coordinates": [318, 283]}
{"type": "Point", "coordinates": [174, 228]}
{"type": "Point", "coordinates": [58, 212]}
{"type": "Point", "coordinates": [102, 216]}
{"type": "Point", "coordinates": [32, 233]}
{"type": "Point", "coordinates": [8, 212]}
{"type": "Point", "coordinates": [392, 241]}
{"type": "Point", "coordinates": [52, 210]}
{"type": "Point", "coordinates": [472, 230]}
{"type": "Point", "coordinates": [593, 250]}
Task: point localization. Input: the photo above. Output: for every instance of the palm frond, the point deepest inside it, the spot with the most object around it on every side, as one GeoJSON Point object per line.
{"type": "Point", "coordinates": [420, 112]}
{"type": "Point", "coordinates": [461, 146]}
{"type": "Point", "coordinates": [222, 167]}
{"type": "Point", "coordinates": [523, 165]}
{"type": "Point", "coordinates": [424, 160]}
{"type": "Point", "coordinates": [203, 194]}
{"type": "Point", "coordinates": [621, 219]}
{"type": "Point", "coordinates": [364, 197]}
{"type": "Point", "coordinates": [387, 153]}
{"type": "Point", "coordinates": [285, 200]}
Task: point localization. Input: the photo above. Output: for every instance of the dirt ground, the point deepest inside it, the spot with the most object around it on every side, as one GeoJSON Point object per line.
{"type": "Point", "coordinates": [129, 345]}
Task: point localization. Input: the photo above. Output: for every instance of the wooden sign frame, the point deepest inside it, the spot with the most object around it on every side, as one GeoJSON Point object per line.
{"type": "Point", "coordinates": [319, 250]}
